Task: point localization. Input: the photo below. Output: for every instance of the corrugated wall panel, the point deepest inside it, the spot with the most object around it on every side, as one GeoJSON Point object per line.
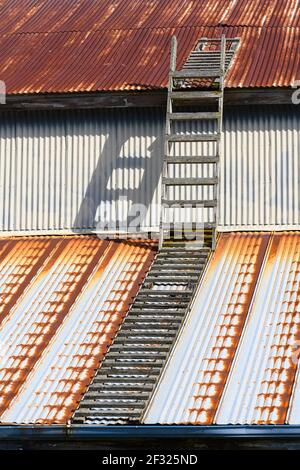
{"type": "Point", "coordinates": [64, 171]}
{"type": "Point", "coordinates": [70, 170]}
{"type": "Point", "coordinates": [261, 168]}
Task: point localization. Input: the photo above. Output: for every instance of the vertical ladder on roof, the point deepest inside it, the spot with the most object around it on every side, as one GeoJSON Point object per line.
{"type": "Point", "coordinates": [195, 99]}
{"type": "Point", "coordinates": [122, 387]}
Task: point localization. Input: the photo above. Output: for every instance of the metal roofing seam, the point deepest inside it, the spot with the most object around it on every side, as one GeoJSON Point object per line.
{"type": "Point", "coordinates": [91, 15]}
{"type": "Point", "coordinates": [260, 386]}
{"type": "Point", "coordinates": [84, 57]}
{"type": "Point", "coordinates": [262, 381]}
{"type": "Point", "coordinates": [59, 330]}
{"type": "Point", "coordinates": [193, 381]}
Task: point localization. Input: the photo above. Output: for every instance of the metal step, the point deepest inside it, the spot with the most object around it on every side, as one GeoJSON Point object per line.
{"type": "Point", "coordinates": [137, 340]}
{"type": "Point", "coordinates": [155, 311]}
{"type": "Point", "coordinates": [174, 268]}
{"type": "Point", "coordinates": [123, 385]}
{"type": "Point", "coordinates": [161, 292]}
{"type": "Point", "coordinates": [145, 328]}
{"type": "Point", "coordinates": [113, 369]}
{"type": "Point", "coordinates": [195, 262]}
{"type": "Point", "coordinates": [140, 362]}
{"type": "Point", "coordinates": [99, 404]}
{"type": "Point", "coordinates": [121, 395]}
{"type": "Point", "coordinates": [114, 414]}
{"type": "Point", "coordinates": [135, 360]}
{"type": "Point", "coordinates": [175, 316]}
{"type": "Point", "coordinates": [182, 255]}
{"type": "Point", "coordinates": [137, 355]}
{"type": "Point", "coordinates": [141, 347]}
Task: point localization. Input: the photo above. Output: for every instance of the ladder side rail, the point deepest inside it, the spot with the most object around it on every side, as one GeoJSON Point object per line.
{"type": "Point", "coordinates": [217, 188]}
{"type": "Point", "coordinates": [173, 60]}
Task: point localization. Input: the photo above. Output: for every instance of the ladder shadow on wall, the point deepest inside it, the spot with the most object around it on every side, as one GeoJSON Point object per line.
{"type": "Point", "coordinates": [120, 199]}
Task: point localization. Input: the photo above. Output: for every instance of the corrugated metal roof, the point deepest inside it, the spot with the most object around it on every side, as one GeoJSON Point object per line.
{"type": "Point", "coordinates": [65, 299]}
{"type": "Point", "coordinates": [261, 381]}
{"type": "Point", "coordinates": [242, 331]}
{"type": "Point", "coordinates": [90, 45]}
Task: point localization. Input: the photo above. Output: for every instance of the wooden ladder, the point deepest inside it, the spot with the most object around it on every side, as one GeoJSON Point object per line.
{"type": "Point", "coordinates": [199, 84]}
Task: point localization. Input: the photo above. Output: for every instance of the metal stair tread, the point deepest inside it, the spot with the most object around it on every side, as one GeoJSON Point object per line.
{"type": "Point", "coordinates": [112, 413]}
{"type": "Point", "coordinates": [167, 292]}
{"type": "Point", "coordinates": [118, 405]}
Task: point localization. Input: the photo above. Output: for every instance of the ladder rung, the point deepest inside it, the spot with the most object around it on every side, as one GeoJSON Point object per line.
{"type": "Point", "coordinates": [113, 414]}
{"type": "Point", "coordinates": [197, 73]}
{"type": "Point", "coordinates": [193, 137]}
{"type": "Point", "coordinates": [206, 226]}
{"type": "Point", "coordinates": [189, 181]}
{"type": "Point", "coordinates": [194, 95]}
{"type": "Point", "coordinates": [193, 116]}
{"type": "Point", "coordinates": [191, 203]}
{"type": "Point", "coordinates": [190, 159]}
{"type": "Point", "coordinates": [162, 292]}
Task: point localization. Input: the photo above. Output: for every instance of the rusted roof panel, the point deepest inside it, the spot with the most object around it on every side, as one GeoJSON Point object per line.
{"type": "Point", "coordinates": [236, 360]}
{"type": "Point", "coordinates": [90, 45]}
{"type": "Point", "coordinates": [261, 382]}
{"type": "Point", "coordinates": [27, 16]}
{"type": "Point", "coordinates": [71, 295]}
{"type": "Point", "coordinates": [194, 380]}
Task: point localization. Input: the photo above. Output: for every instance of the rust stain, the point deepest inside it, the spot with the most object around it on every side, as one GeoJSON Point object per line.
{"type": "Point", "coordinates": [80, 265]}
{"type": "Point", "coordinates": [279, 377]}
{"type": "Point", "coordinates": [138, 263]}
{"type": "Point", "coordinates": [84, 44]}
{"type": "Point", "coordinates": [70, 265]}
{"type": "Point", "coordinates": [25, 259]}
{"type": "Point", "coordinates": [218, 364]}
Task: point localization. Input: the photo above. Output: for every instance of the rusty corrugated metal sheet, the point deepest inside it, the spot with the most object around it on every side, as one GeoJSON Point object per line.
{"type": "Point", "coordinates": [261, 382]}
{"type": "Point", "coordinates": [243, 333]}
{"type": "Point", "coordinates": [67, 299]}
{"type": "Point", "coordinates": [91, 15]}
{"type": "Point", "coordinates": [90, 45]}
{"type": "Point", "coordinates": [191, 387]}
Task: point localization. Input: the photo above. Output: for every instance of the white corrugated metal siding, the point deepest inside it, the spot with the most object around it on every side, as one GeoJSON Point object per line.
{"type": "Point", "coordinates": [72, 170]}
{"type": "Point", "coordinates": [261, 168]}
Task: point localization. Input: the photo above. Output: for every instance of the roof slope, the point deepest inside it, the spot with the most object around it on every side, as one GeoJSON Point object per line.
{"type": "Point", "coordinates": [62, 302]}
{"type": "Point", "coordinates": [87, 45]}
{"type": "Point", "coordinates": [235, 361]}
